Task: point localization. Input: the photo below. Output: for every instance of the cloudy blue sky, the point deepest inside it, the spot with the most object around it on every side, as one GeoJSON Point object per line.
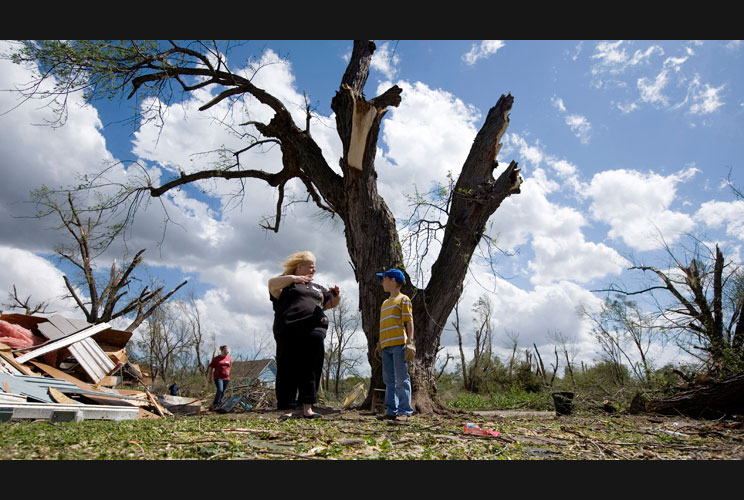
{"type": "Point", "coordinates": [618, 141]}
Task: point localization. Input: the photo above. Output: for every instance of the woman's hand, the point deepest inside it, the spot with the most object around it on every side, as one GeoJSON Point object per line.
{"type": "Point", "coordinates": [335, 298]}
{"type": "Point", "coordinates": [302, 279]}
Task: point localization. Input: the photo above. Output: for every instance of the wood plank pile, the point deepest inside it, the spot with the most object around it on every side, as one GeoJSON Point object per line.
{"type": "Point", "coordinates": [257, 395]}
{"type": "Point", "coordinates": [62, 369]}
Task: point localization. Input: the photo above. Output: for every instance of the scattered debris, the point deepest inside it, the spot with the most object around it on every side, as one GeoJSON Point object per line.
{"type": "Point", "coordinates": [229, 404]}
{"type": "Point", "coordinates": [353, 395]}
{"type": "Point", "coordinates": [638, 404]}
{"type": "Point", "coordinates": [63, 370]}
{"type": "Point", "coordinates": [709, 399]}
{"type": "Point", "coordinates": [471, 428]}
{"type": "Point", "coordinates": [180, 405]}
{"type": "Point", "coordinates": [608, 407]}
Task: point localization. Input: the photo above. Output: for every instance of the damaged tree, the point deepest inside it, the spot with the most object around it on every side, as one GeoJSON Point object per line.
{"type": "Point", "coordinates": [476, 372]}
{"type": "Point", "coordinates": [90, 237]}
{"type": "Point", "coordinates": [711, 400]}
{"type": "Point", "coordinates": [150, 68]}
{"type": "Point", "coordinates": [619, 324]}
{"type": "Point", "coordinates": [707, 309]}
{"type": "Point", "coordinates": [340, 358]}
{"type": "Point", "coordinates": [15, 302]}
{"type": "Point", "coordinates": [706, 317]}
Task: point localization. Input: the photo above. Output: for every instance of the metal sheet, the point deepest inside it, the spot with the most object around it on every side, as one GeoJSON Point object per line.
{"type": "Point", "coordinates": [27, 388]}
{"type": "Point", "coordinates": [63, 342]}
{"type": "Point", "coordinates": [37, 388]}
{"type": "Point", "coordinates": [92, 359]}
{"type": "Point", "coordinates": [87, 352]}
{"type": "Point", "coordinates": [84, 412]}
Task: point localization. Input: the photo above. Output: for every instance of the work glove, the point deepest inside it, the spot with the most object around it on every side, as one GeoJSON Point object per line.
{"type": "Point", "coordinates": [410, 350]}
{"type": "Point", "coordinates": [378, 351]}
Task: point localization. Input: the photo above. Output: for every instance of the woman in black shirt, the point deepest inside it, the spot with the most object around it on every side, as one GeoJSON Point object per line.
{"type": "Point", "coordinates": [299, 330]}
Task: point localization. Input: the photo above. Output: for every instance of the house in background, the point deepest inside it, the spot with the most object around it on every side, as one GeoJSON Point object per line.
{"type": "Point", "coordinates": [246, 372]}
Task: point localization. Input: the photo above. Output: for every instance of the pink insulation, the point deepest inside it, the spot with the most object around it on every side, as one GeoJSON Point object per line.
{"type": "Point", "coordinates": [16, 337]}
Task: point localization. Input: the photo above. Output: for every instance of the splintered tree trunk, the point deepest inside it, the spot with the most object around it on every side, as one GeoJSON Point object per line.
{"type": "Point", "coordinates": [711, 401]}
{"type": "Point", "coordinates": [370, 230]}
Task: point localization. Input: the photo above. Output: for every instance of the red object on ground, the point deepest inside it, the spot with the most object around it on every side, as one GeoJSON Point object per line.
{"type": "Point", "coordinates": [471, 428]}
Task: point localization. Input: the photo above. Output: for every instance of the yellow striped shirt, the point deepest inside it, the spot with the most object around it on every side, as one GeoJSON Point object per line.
{"type": "Point", "coordinates": [393, 313]}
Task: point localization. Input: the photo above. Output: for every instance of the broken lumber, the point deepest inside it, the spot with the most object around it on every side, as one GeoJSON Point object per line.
{"type": "Point", "coordinates": [61, 398]}
{"type": "Point", "coordinates": [11, 360]}
{"type": "Point", "coordinates": [158, 408]}
{"type": "Point", "coordinates": [711, 401]}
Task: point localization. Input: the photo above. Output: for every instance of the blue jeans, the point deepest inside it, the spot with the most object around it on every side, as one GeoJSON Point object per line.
{"type": "Point", "coordinates": [397, 381]}
{"type": "Point", "coordinates": [221, 387]}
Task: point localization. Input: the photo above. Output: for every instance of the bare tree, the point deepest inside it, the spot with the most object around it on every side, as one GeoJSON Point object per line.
{"type": "Point", "coordinates": [340, 357]}
{"type": "Point", "coordinates": [449, 357]}
{"type": "Point", "coordinates": [513, 344]}
{"type": "Point", "coordinates": [568, 348]}
{"type": "Point", "coordinates": [164, 339]}
{"type": "Point", "coordinates": [160, 68]}
{"type": "Point", "coordinates": [89, 235]}
{"type": "Point", "coordinates": [15, 302]}
{"type": "Point", "coordinates": [463, 364]}
{"type": "Point", "coordinates": [702, 306]}
{"type": "Point", "coordinates": [738, 192]}
{"type": "Point", "coordinates": [541, 368]}
{"type": "Point", "coordinates": [477, 370]}
{"type": "Point", "coordinates": [623, 326]}
{"type": "Point", "coordinates": [192, 320]}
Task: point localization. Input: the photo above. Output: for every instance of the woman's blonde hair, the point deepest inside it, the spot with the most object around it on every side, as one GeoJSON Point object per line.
{"type": "Point", "coordinates": [295, 260]}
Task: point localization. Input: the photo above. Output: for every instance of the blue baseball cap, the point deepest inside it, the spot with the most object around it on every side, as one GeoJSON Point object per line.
{"type": "Point", "coordinates": [395, 274]}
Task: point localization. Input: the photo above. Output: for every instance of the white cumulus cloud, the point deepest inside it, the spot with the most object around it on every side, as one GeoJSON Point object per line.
{"type": "Point", "coordinates": [637, 205]}
{"type": "Point", "coordinates": [386, 60]}
{"type": "Point", "coordinates": [721, 213]}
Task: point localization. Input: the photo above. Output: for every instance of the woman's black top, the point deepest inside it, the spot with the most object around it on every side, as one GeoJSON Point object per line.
{"type": "Point", "coordinates": [300, 305]}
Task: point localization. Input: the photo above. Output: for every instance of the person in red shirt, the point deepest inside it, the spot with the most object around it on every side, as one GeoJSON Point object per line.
{"type": "Point", "coordinates": [219, 369]}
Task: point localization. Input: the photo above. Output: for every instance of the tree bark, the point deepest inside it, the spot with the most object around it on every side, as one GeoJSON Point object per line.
{"type": "Point", "coordinates": [712, 401]}
{"type": "Point", "coordinates": [372, 237]}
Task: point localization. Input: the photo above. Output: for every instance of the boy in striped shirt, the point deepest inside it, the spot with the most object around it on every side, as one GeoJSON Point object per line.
{"type": "Point", "coordinates": [396, 346]}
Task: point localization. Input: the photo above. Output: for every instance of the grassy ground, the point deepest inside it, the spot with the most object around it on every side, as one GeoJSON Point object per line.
{"type": "Point", "coordinates": [525, 434]}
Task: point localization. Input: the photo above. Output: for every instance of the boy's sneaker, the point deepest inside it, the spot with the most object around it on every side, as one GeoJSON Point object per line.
{"type": "Point", "coordinates": [405, 418]}
{"type": "Point", "coordinates": [386, 417]}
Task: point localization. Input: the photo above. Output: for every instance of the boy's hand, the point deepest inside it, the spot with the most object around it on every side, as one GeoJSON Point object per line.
{"type": "Point", "coordinates": [378, 351]}
{"type": "Point", "coordinates": [410, 350]}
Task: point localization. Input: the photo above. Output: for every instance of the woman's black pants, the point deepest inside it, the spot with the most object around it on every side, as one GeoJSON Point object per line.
{"type": "Point", "coordinates": [300, 353]}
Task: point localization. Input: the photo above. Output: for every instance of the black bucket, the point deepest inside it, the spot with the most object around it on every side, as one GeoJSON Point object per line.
{"type": "Point", "coordinates": [563, 402]}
